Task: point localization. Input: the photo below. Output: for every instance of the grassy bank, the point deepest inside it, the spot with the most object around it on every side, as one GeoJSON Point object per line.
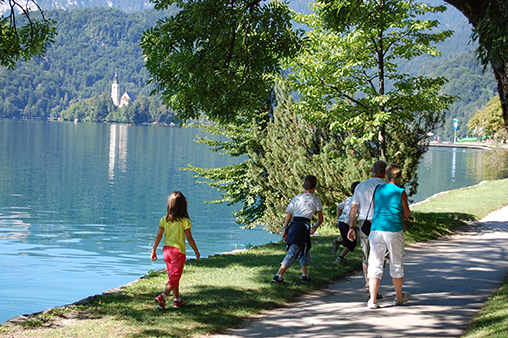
{"type": "Point", "coordinates": [224, 290]}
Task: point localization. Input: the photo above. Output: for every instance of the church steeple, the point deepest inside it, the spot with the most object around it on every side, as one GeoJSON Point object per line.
{"type": "Point", "coordinates": [115, 90]}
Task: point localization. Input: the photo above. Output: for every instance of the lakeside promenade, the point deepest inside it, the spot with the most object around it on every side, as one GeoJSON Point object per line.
{"type": "Point", "coordinates": [449, 279]}
{"type": "Point", "coordinates": [468, 145]}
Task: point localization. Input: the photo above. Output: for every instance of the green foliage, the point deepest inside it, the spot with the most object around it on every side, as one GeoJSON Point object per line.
{"type": "Point", "coordinates": [466, 80]}
{"type": "Point", "coordinates": [342, 121]}
{"type": "Point", "coordinates": [91, 44]}
{"type": "Point", "coordinates": [280, 150]}
{"type": "Point", "coordinates": [488, 121]}
{"type": "Point", "coordinates": [100, 108]}
{"type": "Point", "coordinates": [349, 81]}
{"type": "Point", "coordinates": [24, 33]}
{"type": "Point", "coordinates": [212, 57]}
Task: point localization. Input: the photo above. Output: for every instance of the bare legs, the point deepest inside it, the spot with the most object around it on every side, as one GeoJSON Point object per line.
{"type": "Point", "coordinates": [176, 291]}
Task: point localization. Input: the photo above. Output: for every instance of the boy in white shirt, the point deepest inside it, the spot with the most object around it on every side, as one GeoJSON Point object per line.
{"type": "Point", "coordinates": [343, 214]}
{"type": "Point", "coordinates": [297, 233]}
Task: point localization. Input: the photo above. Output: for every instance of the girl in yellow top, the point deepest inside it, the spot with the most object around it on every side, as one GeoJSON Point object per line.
{"type": "Point", "coordinates": [175, 226]}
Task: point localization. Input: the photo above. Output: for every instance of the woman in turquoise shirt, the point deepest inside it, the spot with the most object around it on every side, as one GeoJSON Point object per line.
{"type": "Point", "coordinates": [387, 234]}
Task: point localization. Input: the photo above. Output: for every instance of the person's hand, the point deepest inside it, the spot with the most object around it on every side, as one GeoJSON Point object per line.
{"type": "Point", "coordinates": [313, 230]}
{"type": "Point", "coordinates": [285, 236]}
{"type": "Point", "coordinates": [154, 255]}
{"type": "Point", "coordinates": [351, 235]}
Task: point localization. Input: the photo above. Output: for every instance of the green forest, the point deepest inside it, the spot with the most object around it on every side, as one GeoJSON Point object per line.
{"type": "Point", "coordinates": [73, 80]}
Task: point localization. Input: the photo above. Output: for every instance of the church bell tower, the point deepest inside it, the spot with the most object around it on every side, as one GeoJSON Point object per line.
{"type": "Point", "coordinates": [115, 91]}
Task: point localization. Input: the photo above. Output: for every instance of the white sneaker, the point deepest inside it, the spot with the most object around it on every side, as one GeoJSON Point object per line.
{"type": "Point", "coordinates": [406, 297]}
{"type": "Point", "coordinates": [371, 305]}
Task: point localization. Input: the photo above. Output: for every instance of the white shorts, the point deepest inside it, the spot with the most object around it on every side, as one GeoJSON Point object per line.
{"type": "Point", "coordinates": [380, 242]}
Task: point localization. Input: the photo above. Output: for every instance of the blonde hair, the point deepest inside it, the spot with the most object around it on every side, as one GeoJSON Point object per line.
{"type": "Point", "coordinates": [177, 207]}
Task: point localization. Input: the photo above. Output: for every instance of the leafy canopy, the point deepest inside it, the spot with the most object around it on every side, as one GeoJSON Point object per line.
{"type": "Point", "coordinates": [27, 40]}
{"type": "Point", "coordinates": [212, 57]}
{"type": "Point", "coordinates": [353, 106]}
{"type": "Point", "coordinates": [348, 78]}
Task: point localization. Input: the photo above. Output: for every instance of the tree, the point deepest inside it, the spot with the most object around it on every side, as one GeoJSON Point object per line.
{"type": "Point", "coordinates": [489, 120]}
{"type": "Point", "coordinates": [26, 41]}
{"type": "Point", "coordinates": [348, 79]}
{"type": "Point", "coordinates": [353, 105]}
{"type": "Point", "coordinates": [490, 21]}
{"type": "Point", "coordinates": [212, 57]}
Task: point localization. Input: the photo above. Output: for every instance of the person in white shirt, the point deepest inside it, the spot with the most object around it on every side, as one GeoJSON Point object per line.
{"type": "Point", "coordinates": [362, 204]}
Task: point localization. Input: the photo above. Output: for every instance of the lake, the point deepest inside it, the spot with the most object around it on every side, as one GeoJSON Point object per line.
{"type": "Point", "coordinates": [80, 205]}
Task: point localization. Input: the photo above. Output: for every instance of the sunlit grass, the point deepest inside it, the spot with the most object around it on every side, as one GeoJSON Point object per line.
{"type": "Point", "coordinates": [492, 321]}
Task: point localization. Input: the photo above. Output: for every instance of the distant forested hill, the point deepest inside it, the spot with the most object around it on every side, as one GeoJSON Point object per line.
{"type": "Point", "coordinates": [93, 42]}
{"type": "Point", "coordinates": [90, 46]}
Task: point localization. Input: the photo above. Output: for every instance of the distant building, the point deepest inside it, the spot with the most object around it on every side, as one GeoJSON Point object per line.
{"type": "Point", "coordinates": [115, 91]}
{"type": "Point", "coordinates": [126, 99]}
{"type": "Point", "coordinates": [115, 94]}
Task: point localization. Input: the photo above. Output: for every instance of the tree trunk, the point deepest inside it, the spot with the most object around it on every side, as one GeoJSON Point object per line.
{"type": "Point", "coordinates": [475, 11]}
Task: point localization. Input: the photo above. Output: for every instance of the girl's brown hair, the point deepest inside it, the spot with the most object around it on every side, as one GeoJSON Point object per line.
{"type": "Point", "coordinates": [177, 207]}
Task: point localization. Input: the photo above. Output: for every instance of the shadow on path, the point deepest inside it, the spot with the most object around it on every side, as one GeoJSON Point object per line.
{"type": "Point", "coordinates": [449, 279]}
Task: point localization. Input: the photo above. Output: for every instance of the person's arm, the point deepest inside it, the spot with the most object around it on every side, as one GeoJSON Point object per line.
{"type": "Point", "coordinates": [320, 220]}
{"type": "Point", "coordinates": [192, 243]}
{"type": "Point", "coordinates": [286, 223]}
{"type": "Point", "coordinates": [156, 242]}
{"type": "Point", "coordinates": [406, 212]}
{"type": "Point", "coordinates": [351, 234]}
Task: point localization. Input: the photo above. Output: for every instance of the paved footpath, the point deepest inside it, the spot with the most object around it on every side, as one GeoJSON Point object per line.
{"type": "Point", "coordinates": [449, 279]}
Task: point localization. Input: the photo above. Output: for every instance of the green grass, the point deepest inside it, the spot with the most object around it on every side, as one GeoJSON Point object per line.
{"type": "Point", "coordinates": [492, 321]}
{"type": "Point", "coordinates": [224, 290]}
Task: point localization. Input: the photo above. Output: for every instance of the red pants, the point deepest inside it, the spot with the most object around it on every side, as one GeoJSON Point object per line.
{"type": "Point", "coordinates": [174, 261]}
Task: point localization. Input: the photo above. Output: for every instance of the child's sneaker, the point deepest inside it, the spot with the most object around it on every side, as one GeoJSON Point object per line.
{"type": "Point", "coordinates": [305, 279]}
{"type": "Point", "coordinates": [336, 245]}
{"type": "Point", "coordinates": [278, 280]}
{"type": "Point", "coordinates": [341, 260]}
{"type": "Point", "coordinates": [179, 303]}
{"type": "Point", "coordinates": [161, 302]}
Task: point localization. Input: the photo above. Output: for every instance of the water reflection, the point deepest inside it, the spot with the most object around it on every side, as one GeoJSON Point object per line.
{"type": "Point", "coordinates": [117, 146]}
{"type": "Point", "coordinates": [454, 163]}
{"type": "Point", "coordinates": [443, 169]}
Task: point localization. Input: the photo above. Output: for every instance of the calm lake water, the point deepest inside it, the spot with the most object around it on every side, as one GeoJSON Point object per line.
{"type": "Point", "coordinates": [80, 205]}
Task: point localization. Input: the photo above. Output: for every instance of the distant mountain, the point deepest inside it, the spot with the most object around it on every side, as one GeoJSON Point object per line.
{"type": "Point", "coordinates": [125, 5]}
{"type": "Point", "coordinates": [92, 43]}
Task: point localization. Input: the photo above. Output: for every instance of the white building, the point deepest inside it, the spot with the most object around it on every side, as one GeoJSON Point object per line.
{"type": "Point", "coordinates": [118, 101]}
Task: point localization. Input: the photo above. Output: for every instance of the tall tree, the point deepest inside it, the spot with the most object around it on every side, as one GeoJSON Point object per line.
{"type": "Point", "coordinates": [24, 32]}
{"type": "Point", "coordinates": [349, 82]}
{"type": "Point", "coordinates": [490, 21]}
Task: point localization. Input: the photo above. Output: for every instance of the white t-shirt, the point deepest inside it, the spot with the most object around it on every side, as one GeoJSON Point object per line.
{"type": "Point", "coordinates": [345, 208]}
{"type": "Point", "coordinates": [304, 205]}
{"type": "Point", "coordinates": [363, 196]}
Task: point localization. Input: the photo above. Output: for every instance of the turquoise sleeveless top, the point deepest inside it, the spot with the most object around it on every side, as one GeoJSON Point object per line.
{"type": "Point", "coordinates": [388, 209]}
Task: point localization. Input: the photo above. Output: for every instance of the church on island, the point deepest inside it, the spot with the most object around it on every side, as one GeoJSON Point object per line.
{"type": "Point", "coordinates": [125, 99]}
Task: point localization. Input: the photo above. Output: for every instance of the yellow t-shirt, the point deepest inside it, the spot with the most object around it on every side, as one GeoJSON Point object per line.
{"type": "Point", "coordinates": [174, 232]}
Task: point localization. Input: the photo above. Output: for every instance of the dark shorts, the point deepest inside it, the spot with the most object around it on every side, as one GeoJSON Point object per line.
{"type": "Point", "coordinates": [344, 229]}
